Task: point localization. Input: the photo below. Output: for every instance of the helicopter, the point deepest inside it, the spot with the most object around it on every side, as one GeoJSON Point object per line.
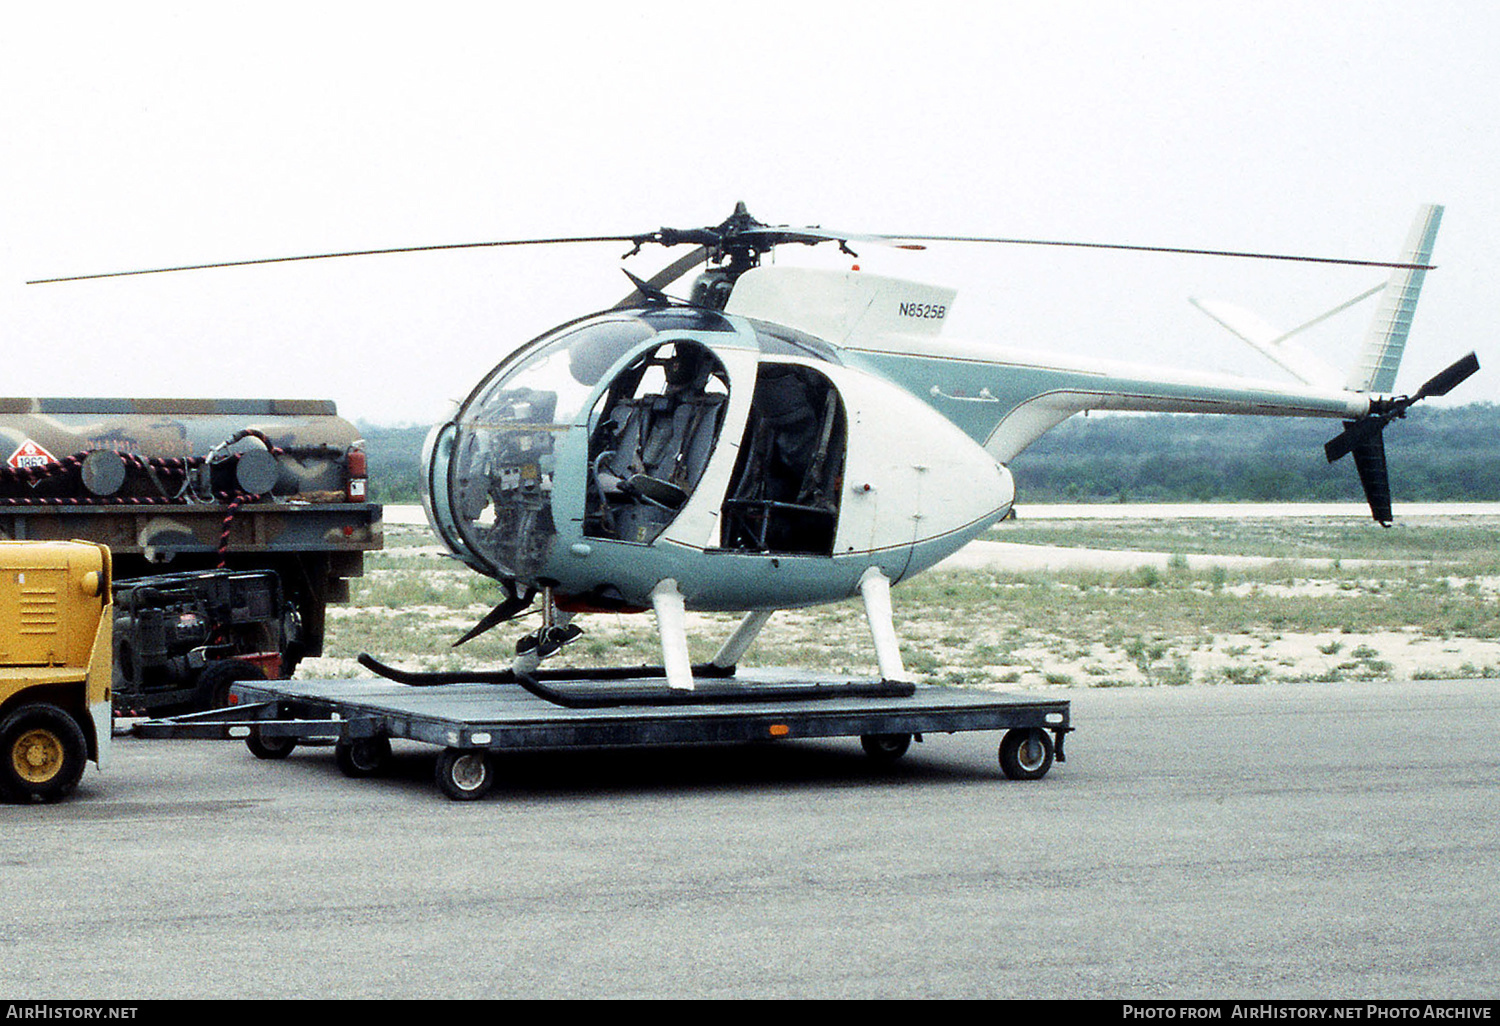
{"type": "Point", "coordinates": [789, 436]}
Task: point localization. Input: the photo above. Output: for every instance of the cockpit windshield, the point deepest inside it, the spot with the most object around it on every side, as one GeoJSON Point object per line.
{"type": "Point", "coordinates": [648, 394]}
{"type": "Point", "coordinates": [501, 452]}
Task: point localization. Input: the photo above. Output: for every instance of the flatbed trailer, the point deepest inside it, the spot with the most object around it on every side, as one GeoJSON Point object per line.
{"type": "Point", "coordinates": [473, 721]}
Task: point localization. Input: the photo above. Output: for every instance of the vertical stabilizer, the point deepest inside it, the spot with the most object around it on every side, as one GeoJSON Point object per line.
{"type": "Point", "coordinates": [1386, 340]}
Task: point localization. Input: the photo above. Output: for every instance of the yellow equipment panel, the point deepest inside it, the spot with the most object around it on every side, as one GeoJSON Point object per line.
{"type": "Point", "coordinates": [50, 593]}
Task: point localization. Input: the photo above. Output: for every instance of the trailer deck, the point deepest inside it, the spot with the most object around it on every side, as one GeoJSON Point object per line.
{"type": "Point", "coordinates": [471, 721]}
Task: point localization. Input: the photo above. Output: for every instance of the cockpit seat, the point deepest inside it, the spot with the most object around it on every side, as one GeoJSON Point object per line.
{"type": "Point", "coordinates": [662, 445]}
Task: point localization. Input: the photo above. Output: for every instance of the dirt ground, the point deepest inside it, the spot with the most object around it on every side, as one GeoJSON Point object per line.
{"type": "Point", "coordinates": [1007, 615]}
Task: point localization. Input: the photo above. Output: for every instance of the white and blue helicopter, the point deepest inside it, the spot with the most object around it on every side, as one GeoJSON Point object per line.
{"type": "Point", "coordinates": [788, 436]}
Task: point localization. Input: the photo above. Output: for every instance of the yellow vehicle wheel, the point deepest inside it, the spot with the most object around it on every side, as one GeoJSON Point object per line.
{"type": "Point", "coordinates": [42, 754]}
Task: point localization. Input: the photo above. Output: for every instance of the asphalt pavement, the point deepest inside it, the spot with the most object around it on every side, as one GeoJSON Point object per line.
{"type": "Point", "coordinates": [1321, 841]}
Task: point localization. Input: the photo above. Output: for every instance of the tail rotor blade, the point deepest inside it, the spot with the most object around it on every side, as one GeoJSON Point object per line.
{"type": "Point", "coordinates": [1369, 460]}
{"type": "Point", "coordinates": [1447, 380]}
{"type": "Point", "coordinates": [1365, 437]}
{"type": "Point", "coordinates": [1355, 432]}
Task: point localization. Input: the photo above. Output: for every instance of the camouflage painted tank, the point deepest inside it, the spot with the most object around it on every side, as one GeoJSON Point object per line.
{"type": "Point", "coordinates": [192, 484]}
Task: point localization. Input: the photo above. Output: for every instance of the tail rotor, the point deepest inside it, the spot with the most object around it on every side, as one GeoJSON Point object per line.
{"type": "Point", "coordinates": [1364, 438]}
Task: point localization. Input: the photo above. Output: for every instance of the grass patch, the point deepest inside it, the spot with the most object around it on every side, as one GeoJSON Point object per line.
{"type": "Point", "coordinates": [1168, 626]}
{"type": "Point", "coordinates": [1463, 540]}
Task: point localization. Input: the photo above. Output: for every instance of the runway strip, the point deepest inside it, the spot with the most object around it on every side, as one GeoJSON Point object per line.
{"type": "Point", "coordinates": [985, 555]}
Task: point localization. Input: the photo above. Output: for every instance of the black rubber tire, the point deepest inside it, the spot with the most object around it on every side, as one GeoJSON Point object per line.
{"type": "Point", "coordinates": [465, 774]}
{"type": "Point", "coordinates": [42, 754]}
{"type": "Point", "coordinates": [217, 678]}
{"type": "Point", "coordinates": [269, 747]}
{"type": "Point", "coordinates": [885, 748]}
{"type": "Point", "coordinates": [363, 757]}
{"type": "Point", "coordinates": [1026, 753]}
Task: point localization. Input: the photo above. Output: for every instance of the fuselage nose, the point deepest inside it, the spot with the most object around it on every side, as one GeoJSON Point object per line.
{"type": "Point", "coordinates": [753, 470]}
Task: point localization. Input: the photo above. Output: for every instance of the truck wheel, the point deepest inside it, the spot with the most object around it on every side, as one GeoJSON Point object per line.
{"type": "Point", "coordinates": [364, 757]}
{"type": "Point", "coordinates": [885, 748]}
{"type": "Point", "coordinates": [1026, 753]}
{"type": "Point", "coordinates": [217, 678]}
{"type": "Point", "coordinates": [42, 754]}
{"type": "Point", "coordinates": [269, 747]}
{"type": "Point", "coordinates": [465, 774]}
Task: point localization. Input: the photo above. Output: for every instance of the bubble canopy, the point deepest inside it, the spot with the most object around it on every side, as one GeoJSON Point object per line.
{"type": "Point", "coordinates": [491, 470]}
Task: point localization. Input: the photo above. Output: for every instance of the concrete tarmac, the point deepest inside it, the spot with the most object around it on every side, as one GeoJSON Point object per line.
{"type": "Point", "coordinates": [1327, 841]}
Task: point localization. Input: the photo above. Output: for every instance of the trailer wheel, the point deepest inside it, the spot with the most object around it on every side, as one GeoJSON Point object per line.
{"type": "Point", "coordinates": [269, 747]}
{"type": "Point", "coordinates": [363, 757]}
{"type": "Point", "coordinates": [465, 774]}
{"type": "Point", "coordinates": [885, 748]}
{"type": "Point", "coordinates": [1026, 753]}
{"type": "Point", "coordinates": [42, 754]}
{"type": "Point", "coordinates": [217, 678]}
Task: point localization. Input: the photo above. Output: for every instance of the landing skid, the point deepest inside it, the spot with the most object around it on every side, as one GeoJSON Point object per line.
{"type": "Point", "coordinates": [677, 670]}
{"type": "Point", "coordinates": [637, 686]}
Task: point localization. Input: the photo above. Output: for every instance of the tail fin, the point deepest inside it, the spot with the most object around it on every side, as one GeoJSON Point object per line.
{"type": "Point", "coordinates": [1381, 358]}
{"type": "Point", "coordinates": [1386, 338]}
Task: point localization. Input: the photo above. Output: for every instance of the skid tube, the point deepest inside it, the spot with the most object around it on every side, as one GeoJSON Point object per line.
{"type": "Point", "coordinates": [533, 683]}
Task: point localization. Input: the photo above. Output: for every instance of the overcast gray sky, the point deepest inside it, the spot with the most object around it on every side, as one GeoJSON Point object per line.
{"type": "Point", "coordinates": [150, 134]}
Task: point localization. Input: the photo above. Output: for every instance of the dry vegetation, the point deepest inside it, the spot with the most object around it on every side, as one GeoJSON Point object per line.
{"type": "Point", "coordinates": [1329, 600]}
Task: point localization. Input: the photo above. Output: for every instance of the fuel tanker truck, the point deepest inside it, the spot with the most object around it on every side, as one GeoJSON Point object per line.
{"type": "Point", "coordinates": [232, 523]}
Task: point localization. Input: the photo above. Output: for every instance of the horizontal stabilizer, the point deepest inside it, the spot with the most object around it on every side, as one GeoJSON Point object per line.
{"type": "Point", "coordinates": [1276, 344]}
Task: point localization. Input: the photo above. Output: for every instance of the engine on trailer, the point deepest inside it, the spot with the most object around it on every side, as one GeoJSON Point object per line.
{"type": "Point", "coordinates": [182, 639]}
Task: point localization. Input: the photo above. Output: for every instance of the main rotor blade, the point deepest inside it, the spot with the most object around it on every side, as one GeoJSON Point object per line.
{"type": "Point", "coordinates": [779, 234]}
{"type": "Point", "coordinates": [1447, 380]}
{"type": "Point", "coordinates": [1163, 249]}
{"type": "Point", "coordinates": [348, 253]}
{"type": "Point", "coordinates": [741, 231]}
{"type": "Point", "coordinates": [666, 276]}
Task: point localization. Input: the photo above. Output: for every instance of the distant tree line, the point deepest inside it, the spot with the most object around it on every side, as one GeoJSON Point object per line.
{"type": "Point", "coordinates": [1435, 455]}
{"type": "Point", "coordinates": [395, 461]}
